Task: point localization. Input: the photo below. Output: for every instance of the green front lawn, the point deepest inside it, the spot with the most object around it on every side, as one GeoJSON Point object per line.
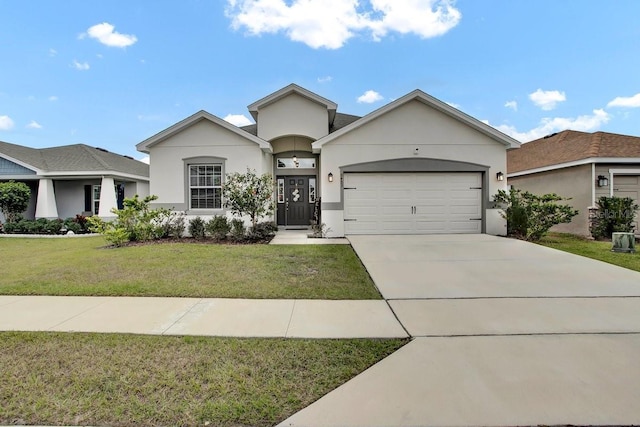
{"type": "Point", "coordinates": [126, 380]}
{"type": "Point", "coordinates": [591, 249]}
{"type": "Point", "coordinates": [84, 266]}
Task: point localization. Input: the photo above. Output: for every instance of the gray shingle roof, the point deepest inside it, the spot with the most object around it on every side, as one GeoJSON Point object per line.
{"type": "Point", "coordinates": [74, 158]}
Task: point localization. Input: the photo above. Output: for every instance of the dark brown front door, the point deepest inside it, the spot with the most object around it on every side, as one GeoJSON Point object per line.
{"type": "Point", "coordinates": [297, 207]}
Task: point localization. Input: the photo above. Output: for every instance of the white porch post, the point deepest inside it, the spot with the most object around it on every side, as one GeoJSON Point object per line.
{"type": "Point", "coordinates": [107, 198]}
{"type": "Point", "coordinates": [46, 202]}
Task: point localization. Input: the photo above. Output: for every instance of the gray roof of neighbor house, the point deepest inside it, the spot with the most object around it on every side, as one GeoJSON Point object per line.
{"type": "Point", "coordinates": [341, 120]}
{"type": "Point", "coordinates": [74, 158]}
{"type": "Point", "coordinates": [570, 146]}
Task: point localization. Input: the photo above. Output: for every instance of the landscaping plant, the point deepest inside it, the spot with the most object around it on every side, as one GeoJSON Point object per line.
{"type": "Point", "coordinates": [14, 199]}
{"type": "Point", "coordinates": [218, 227]}
{"type": "Point", "coordinates": [530, 216]}
{"type": "Point", "coordinates": [249, 195]}
{"type": "Point", "coordinates": [197, 228]}
{"type": "Point", "coordinates": [614, 214]}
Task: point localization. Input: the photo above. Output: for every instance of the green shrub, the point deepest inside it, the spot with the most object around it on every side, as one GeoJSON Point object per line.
{"type": "Point", "coordinates": [614, 214]}
{"type": "Point", "coordinates": [249, 194]}
{"type": "Point", "coordinates": [197, 228]}
{"type": "Point", "coordinates": [218, 227]}
{"type": "Point", "coordinates": [170, 223]}
{"type": "Point", "coordinates": [263, 230]}
{"type": "Point", "coordinates": [38, 226]}
{"type": "Point", "coordinates": [237, 229]}
{"type": "Point", "coordinates": [530, 216]}
{"type": "Point", "coordinates": [14, 199]}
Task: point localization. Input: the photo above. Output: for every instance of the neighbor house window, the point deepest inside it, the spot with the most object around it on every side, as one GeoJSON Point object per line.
{"type": "Point", "coordinates": [205, 186]}
{"type": "Point", "coordinates": [95, 199]}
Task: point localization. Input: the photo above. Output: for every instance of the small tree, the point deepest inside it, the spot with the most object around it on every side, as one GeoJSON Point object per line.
{"type": "Point", "coordinates": [249, 194]}
{"type": "Point", "coordinates": [530, 216]}
{"type": "Point", "coordinates": [14, 199]}
{"type": "Point", "coordinates": [614, 214]}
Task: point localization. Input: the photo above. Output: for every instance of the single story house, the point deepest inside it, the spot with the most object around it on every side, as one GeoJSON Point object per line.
{"type": "Point", "coordinates": [581, 166]}
{"type": "Point", "coordinates": [415, 166]}
{"type": "Point", "coordinates": [69, 180]}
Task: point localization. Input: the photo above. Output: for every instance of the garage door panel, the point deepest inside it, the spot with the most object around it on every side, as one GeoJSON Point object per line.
{"type": "Point", "coordinates": [410, 203]}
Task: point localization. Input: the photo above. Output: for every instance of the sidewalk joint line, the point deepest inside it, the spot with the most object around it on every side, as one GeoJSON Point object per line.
{"type": "Point", "coordinates": [183, 316]}
{"type": "Point", "coordinates": [83, 312]}
{"type": "Point", "coordinates": [286, 333]}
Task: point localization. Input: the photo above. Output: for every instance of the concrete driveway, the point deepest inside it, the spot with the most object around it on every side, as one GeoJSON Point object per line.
{"type": "Point", "coordinates": [505, 333]}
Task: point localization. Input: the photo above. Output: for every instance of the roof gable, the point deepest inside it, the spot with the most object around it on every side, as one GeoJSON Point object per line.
{"type": "Point", "coordinates": [571, 146]}
{"type": "Point", "coordinates": [293, 89]}
{"type": "Point", "coordinates": [193, 119]}
{"type": "Point", "coordinates": [418, 95]}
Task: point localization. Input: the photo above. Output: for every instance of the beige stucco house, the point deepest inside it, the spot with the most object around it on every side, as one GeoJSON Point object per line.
{"type": "Point", "coordinates": [415, 166]}
{"type": "Point", "coordinates": [66, 181]}
{"type": "Point", "coordinates": [581, 166]}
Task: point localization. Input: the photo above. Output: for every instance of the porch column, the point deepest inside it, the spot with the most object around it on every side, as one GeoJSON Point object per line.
{"type": "Point", "coordinates": [46, 202]}
{"type": "Point", "coordinates": [107, 198]}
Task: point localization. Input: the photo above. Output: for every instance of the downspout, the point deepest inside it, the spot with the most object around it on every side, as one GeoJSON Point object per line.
{"type": "Point", "coordinates": [593, 185]}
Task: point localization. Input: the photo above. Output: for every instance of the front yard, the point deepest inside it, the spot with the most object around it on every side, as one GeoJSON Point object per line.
{"type": "Point", "coordinates": [126, 380]}
{"type": "Point", "coordinates": [83, 266]}
{"type": "Point", "coordinates": [592, 249]}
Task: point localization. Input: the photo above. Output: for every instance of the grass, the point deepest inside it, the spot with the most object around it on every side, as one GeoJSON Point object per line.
{"type": "Point", "coordinates": [84, 266]}
{"type": "Point", "coordinates": [123, 380]}
{"type": "Point", "coordinates": [591, 249]}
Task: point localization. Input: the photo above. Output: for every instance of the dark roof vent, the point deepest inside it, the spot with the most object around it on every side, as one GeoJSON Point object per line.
{"type": "Point", "coordinates": [128, 157]}
{"type": "Point", "coordinates": [102, 149]}
{"type": "Point", "coordinates": [551, 136]}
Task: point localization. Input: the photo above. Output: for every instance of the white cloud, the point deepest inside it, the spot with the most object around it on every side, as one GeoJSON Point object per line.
{"type": "Point", "coordinates": [548, 126]}
{"type": "Point", "coordinates": [330, 23]}
{"type": "Point", "coordinates": [81, 66]}
{"type": "Point", "coordinates": [325, 79]}
{"type": "Point", "coordinates": [53, 98]}
{"type": "Point", "coordinates": [547, 99]}
{"type": "Point", "coordinates": [53, 52]}
{"type": "Point", "coordinates": [34, 125]}
{"type": "Point", "coordinates": [369, 97]}
{"type": "Point", "coordinates": [105, 33]}
{"type": "Point", "coordinates": [145, 159]}
{"type": "Point", "coordinates": [6, 123]}
{"type": "Point", "coordinates": [454, 105]}
{"type": "Point", "coordinates": [630, 101]}
{"type": "Point", "coordinates": [511, 104]}
{"type": "Point", "coordinates": [237, 120]}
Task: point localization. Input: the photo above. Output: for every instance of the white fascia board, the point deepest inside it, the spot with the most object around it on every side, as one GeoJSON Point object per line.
{"type": "Point", "coordinates": [21, 163]}
{"type": "Point", "coordinates": [200, 115]}
{"type": "Point", "coordinates": [94, 174]}
{"type": "Point", "coordinates": [626, 171]}
{"type": "Point", "coordinates": [20, 177]}
{"type": "Point", "coordinates": [431, 102]}
{"type": "Point", "coordinates": [576, 163]}
{"type": "Point", "coordinates": [287, 90]}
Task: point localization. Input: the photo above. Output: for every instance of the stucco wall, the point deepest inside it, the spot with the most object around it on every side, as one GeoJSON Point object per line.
{"type": "Point", "coordinates": [167, 167]}
{"type": "Point", "coordinates": [397, 135]}
{"type": "Point", "coordinates": [573, 182]}
{"type": "Point", "coordinates": [293, 115]}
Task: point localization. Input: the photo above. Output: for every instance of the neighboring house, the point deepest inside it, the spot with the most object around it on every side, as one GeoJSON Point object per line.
{"type": "Point", "coordinates": [69, 180]}
{"type": "Point", "coordinates": [415, 166]}
{"type": "Point", "coordinates": [579, 165]}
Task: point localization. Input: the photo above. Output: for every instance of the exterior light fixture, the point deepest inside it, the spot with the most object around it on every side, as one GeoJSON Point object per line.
{"type": "Point", "coordinates": [500, 176]}
{"type": "Point", "coordinates": [603, 181]}
{"type": "Point", "coordinates": [330, 177]}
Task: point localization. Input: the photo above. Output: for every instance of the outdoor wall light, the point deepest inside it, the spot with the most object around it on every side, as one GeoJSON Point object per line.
{"type": "Point", "coordinates": [603, 181]}
{"type": "Point", "coordinates": [330, 177]}
{"type": "Point", "coordinates": [500, 176]}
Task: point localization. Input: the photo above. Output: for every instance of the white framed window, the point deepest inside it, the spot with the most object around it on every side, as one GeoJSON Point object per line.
{"type": "Point", "coordinates": [312, 190]}
{"type": "Point", "coordinates": [95, 199]}
{"type": "Point", "coordinates": [280, 190]}
{"type": "Point", "coordinates": [205, 186]}
{"type": "Point", "coordinates": [288, 163]}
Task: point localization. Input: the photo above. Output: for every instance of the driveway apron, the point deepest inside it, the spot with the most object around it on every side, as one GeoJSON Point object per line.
{"type": "Point", "coordinates": [505, 333]}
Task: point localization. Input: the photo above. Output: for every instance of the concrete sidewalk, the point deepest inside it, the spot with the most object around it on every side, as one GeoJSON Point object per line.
{"type": "Point", "coordinates": [201, 316]}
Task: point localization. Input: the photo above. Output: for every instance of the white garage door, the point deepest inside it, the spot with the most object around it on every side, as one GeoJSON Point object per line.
{"type": "Point", "coordinates": [412, 203]}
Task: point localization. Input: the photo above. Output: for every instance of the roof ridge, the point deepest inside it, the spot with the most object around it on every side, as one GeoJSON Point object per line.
{"type": "Point", "coordinates": [595, 144]}
{"type": "Point", "coordinates": [92, 153]}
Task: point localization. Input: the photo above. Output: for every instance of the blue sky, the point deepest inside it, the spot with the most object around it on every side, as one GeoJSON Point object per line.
{"type": "Point", "coordinates": [111, 74]}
